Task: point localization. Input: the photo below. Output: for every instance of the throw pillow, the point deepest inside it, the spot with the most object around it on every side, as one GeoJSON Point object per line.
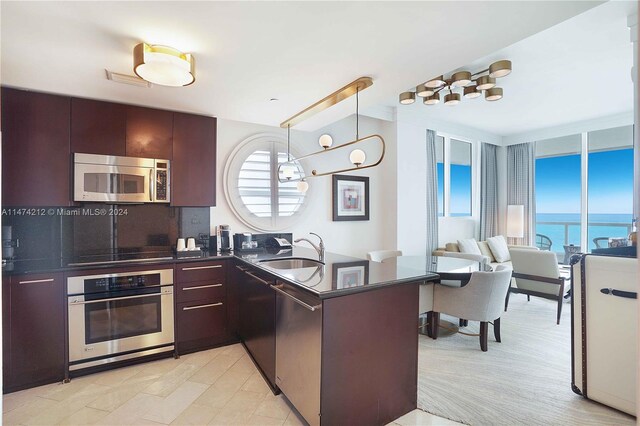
{"type": "Point", "coordinates": [485, 250]}
{"type": "Point", "coordinates": [469, 246]}
{"type": "Point", "coordinates": [452, 247]}
{"type": "Point", "coordinates": [499, 248]}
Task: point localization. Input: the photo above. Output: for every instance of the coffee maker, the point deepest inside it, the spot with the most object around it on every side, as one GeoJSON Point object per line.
{"type": "Point", "coordinates": [9, 244]}
{"type": "Point", "coordinates": [225, 241]}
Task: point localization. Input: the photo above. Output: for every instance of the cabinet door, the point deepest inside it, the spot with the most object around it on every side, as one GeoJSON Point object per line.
{"type": "Point", "coordinates": [37, 330]}
{"type": "Point", "coordinates": [149, 133]}
{"type": "Point", "coordinates": [35, 149]}
{"type": "Point", "coordinates": [6, 329]}
{"type": "Point", "coordinates": [193, 173]}
{"type": "Point", "coordinates": [201, 324]}
{"type": "Point", "coordinates": [97, 127]}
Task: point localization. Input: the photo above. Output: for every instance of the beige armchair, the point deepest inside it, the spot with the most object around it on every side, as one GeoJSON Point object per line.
{"type": "Point", "coordinates": [479, 300]}
{"type": "Point", "coordinates": [536, 273]}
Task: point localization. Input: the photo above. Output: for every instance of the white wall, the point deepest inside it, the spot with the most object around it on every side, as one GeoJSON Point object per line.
{"type": "Point", "coordinates": [353, 238]}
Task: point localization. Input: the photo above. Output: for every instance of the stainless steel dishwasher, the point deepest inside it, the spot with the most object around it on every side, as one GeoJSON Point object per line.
{"type": "Point", "coordinates": [298, 349]}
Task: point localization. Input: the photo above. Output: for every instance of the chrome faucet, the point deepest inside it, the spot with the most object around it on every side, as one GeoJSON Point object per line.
{"type": "Point", "coordinates": [319, 248]}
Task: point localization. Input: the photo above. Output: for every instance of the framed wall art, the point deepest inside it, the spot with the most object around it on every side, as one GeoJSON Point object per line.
{"type": "Point", "coordinates": [350, 274]}
{"type": "Point", "coordinates": [350, 197]}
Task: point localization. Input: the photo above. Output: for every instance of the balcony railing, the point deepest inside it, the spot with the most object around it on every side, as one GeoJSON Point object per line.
{"type": "Point", "coordinates": [617, 230]}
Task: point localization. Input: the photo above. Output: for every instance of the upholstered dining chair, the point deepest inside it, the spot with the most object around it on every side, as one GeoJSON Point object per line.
{"type": "Point", "coordinates": [381, 255]}
{"type": "Point", "coordinates": [536, 273]}
{"type": "Point", "coordinates": [480, 300]}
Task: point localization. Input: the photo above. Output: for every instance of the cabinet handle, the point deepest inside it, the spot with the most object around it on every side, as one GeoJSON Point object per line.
{"type": "Point", "coordinates": [241, 268]}
{"type": "Point", "coordinates": [298, 301]}
{"type": "Point", "coordinates": [619, 293]}
{"type": "Point", "coordinates": [48, 280]}
{"type": "Point", "coordinates": [193, 268]}
{"type": "Point", "coordinates": [210, 305]}
{"type": "Point", "coordinates": [257, 278]}
{"type": "Point", "coordinates": [151, 182]}
{"type": "Point", "coordinates": [198, 287]}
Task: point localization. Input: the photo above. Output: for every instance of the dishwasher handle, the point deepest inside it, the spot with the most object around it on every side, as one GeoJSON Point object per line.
{"type": "Point", "coordinates": [312, 308]}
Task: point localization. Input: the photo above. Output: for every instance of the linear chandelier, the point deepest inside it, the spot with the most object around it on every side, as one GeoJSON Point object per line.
{"type": "Point", "coordinates": [484, 80]}
{"type": "Point", "coordinates": [357, 157]}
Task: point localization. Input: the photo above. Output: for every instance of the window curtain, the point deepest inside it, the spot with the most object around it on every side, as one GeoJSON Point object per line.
{"type": "Point", "coordinates": [432, 193]}
{"type": "Point", "coordinates": [488, 191]}
{"type": "Point", "coordinates": [521, 185]}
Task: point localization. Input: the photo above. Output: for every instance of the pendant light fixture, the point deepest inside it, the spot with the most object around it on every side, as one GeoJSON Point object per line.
{"type": "Point", "coordinates": [484, 80]}
{"type": "Point", "coordinates": [357, 156]}
{"type": "Point", "coordinates": [163, 65]}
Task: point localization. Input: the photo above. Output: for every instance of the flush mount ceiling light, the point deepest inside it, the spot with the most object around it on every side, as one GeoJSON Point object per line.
{"type": "Point", "coordinates": [163, 65]}
{"type": "Point", "coordinates": [357, 156]}
{"type": "Point", "coordinates": [484, 80]}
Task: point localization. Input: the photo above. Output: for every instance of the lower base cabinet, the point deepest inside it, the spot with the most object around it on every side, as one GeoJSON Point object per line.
{"type": "Point", "coordinates": [201, 324]}
{"type": "Point", "coordinates": [33, 330]}
{"type": "Point", "coordinates": [201, 305]}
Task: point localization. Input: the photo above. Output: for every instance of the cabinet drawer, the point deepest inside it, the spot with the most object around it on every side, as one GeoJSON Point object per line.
{"type": "Point", "coordinates": [202, 290]}
{"type": "Point", "coordinates": [201, 322]}
{"type": "Point", "coordinates": [201, 271]}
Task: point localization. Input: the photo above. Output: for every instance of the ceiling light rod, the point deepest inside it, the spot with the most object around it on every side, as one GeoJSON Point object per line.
{"type": "Point", "coordinates": [329, 101]}
{"type": "Point", "coordinates": [314, 173]}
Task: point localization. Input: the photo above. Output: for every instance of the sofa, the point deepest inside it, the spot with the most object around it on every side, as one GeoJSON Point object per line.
{"type": "Point", "coordinates": [486, 255]}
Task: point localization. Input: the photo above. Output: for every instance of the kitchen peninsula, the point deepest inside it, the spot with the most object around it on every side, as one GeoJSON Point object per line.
{"type": "Point", "coordinates": [339, 338]}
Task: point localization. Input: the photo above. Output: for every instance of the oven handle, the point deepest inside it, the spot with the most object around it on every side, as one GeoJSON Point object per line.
{"type": "Point", "coordinates": [85, 302]}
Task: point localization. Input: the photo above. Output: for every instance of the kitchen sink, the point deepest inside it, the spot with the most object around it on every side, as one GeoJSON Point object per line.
{"type": "Point", "coordinates": [291, 263]}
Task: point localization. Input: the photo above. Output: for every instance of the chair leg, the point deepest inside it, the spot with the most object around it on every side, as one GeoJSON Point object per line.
{"type": "Point", "coordinates": [466, 322]}
{"type": "Point", "coordinates": [461, 322]}
{"type": "Point", "coordinates": [435, 324]}
{"type": "Point", "coordinates": [528, 298]}
{"type": "Point", "coordinates": [484, 330]}
{"type": "Point", "coordinates": [506, 300]}
{"type": "Point", "coordinates": [429, 322]}
{"type": "Point", "coordinates": [496, 329]}
{"type": "Point", "coordinates": [559, 308]}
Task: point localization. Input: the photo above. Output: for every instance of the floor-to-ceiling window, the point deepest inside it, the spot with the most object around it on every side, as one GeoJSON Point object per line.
{"type": "Point", "coordinates": [440, 172]}
{"type": "Point", "coordinates": [610, 186]}
{"type": "Point", "coordinates": [590, 208]}
{"type": "Point", "coordinates": [558, 176]}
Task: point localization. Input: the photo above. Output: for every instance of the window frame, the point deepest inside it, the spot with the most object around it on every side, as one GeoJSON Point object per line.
{"type": "Point", "coordinates": [475, 186]}
{"type": "Point", "coordinates": [232, 169]}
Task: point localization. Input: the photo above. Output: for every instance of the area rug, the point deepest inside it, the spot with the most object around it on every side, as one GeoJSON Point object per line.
{"type": "Point", "coordinates": [525, 380]}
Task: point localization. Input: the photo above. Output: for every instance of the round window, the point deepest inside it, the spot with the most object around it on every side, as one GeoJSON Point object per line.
{"type": "Point", "coordinates": [252, 187]}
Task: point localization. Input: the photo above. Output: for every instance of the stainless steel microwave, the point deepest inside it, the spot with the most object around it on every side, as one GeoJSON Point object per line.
{"type": "Point", "coordinates": [113, 179]}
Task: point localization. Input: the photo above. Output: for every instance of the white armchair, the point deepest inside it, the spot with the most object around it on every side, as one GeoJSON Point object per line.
{"type": "Point", "coordinates": [479, 300]}
{"type": "Point", "coordinates": [536, 273]}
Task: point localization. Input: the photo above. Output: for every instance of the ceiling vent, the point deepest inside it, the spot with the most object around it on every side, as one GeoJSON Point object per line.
{"type": "Point", "coordinates": [127, 79]}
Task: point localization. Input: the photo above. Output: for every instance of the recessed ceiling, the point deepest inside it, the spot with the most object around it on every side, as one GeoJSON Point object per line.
{"type": "Point", "coordinates": [249, 52]}
{"type": "Point", "coordinates": [577, 70]}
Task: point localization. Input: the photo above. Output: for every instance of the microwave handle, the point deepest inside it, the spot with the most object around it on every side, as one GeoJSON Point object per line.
{"type": "Point", "coordinates": [151, 182]}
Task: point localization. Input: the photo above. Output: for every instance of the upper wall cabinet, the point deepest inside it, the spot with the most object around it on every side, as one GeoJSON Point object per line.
{"type": "Point", "coordinates": [149, 133]}
{"type": "Point", "coordinates": [98, 127]}
{"type": "Point", "coordinates": [35, 149]}
{"type": "Point", "coordinates": [194, 161]}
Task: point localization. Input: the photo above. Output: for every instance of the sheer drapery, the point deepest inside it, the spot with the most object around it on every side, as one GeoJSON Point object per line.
{"type": "Point", "coordinates": [431, 193]}
{"type": "Point", "coordinates": [521, 186]}
{"type": "Point", "coordinates": [488, 191]}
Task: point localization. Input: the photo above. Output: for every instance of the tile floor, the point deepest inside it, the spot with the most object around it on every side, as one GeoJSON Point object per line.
{"type": "Point", "coordinates": [216, 387]}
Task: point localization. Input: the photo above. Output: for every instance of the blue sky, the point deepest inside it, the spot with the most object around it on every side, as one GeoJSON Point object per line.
{"type": "Point", "coordinates": [460, 180]}
{"type": "Point", "coordinates": [610, 183]}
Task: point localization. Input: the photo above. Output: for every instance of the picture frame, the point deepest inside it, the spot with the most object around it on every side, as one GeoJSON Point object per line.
{"type": "Point", "coordinates": [350, 274]}
{"type": "Point", "coordinates": [350, 198]}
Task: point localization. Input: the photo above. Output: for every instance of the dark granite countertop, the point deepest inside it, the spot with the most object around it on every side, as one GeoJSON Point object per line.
{"type": "Point", "coordinates": [340, 275]}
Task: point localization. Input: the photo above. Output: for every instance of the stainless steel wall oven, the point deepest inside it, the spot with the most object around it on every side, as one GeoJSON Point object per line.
{"type": "Point", "coordinates": [118, 316]}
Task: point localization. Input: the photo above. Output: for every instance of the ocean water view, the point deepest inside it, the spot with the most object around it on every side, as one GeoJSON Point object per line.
{"type": "Point", "coordinates": [558, 226]}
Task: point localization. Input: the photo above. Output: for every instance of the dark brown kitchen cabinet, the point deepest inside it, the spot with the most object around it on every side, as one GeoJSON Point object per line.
{"type": "Point", "coordinates": [98, 127]}
{"type": "Point", "coordinates": [193, 174]}
{"type": "Point", "coordinates": [36, 330]}
{"type": "Point", "coordinates": [149, 133]}
{"type": "Point", "coordinates": [257, 320]}
{"type": "Point", "coordinates": [36, 156]}
{"type": "Point", "coordinates": [201, 305]}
